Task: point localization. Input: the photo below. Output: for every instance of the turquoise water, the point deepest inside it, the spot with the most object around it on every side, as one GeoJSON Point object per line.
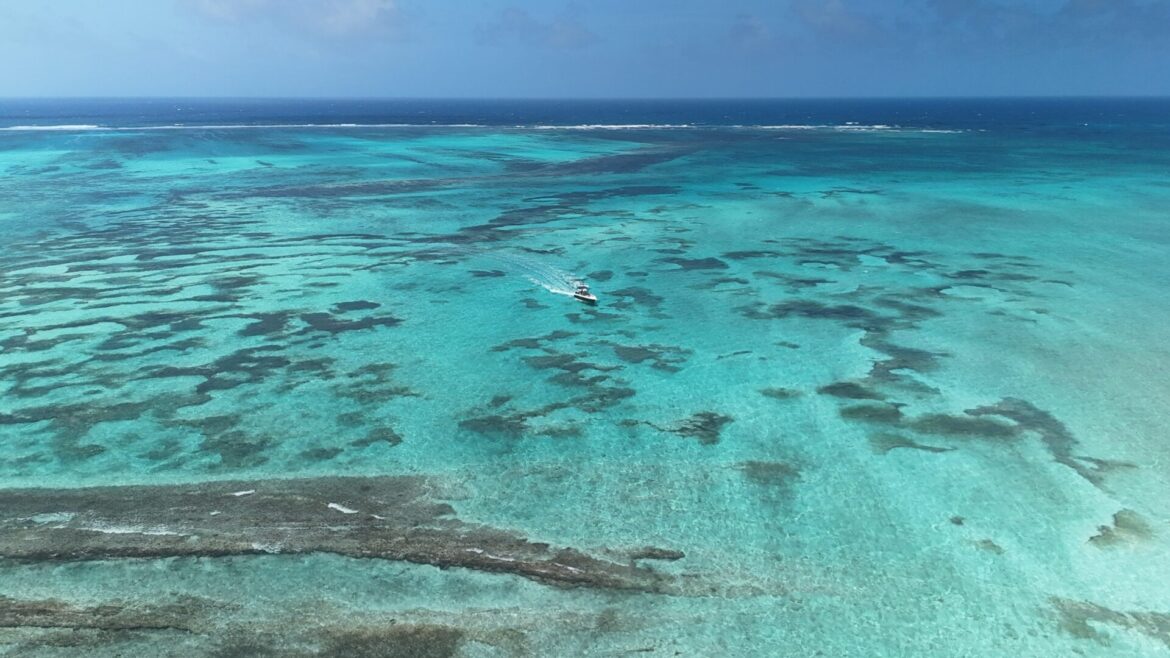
{"type": "Point", "coordinates": [865, 390]}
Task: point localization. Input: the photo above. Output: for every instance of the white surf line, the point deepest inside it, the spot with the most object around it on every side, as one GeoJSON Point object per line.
{"type": "Point", "coordinates": [50, 517]}
{"type": "Point", "coordinates": [480, 551]}
{"type": "Point", "coordinates": [341, 508]}
{"type": "Point", "coordinates": [85, 127]}
{"type": "Point", "coordinates": [62, 127]}
{"type": "Point", "coordinates": [131, 530]}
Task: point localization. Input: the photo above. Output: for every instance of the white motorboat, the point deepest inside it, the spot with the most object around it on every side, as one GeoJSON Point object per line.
{"type": "Point", "coordinates": [582, 294]}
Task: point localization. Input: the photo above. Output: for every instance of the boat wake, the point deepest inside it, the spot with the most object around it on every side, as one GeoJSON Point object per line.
{"type": "Point", "coordinates": [540, 273]}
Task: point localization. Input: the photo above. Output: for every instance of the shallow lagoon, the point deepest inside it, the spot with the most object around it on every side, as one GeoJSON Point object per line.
{"type": "Point", "coordinates": [848, 392]}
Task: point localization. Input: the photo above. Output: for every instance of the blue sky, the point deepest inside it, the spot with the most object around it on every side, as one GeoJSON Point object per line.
{"type": "Point", "coordinates": [577, 48]}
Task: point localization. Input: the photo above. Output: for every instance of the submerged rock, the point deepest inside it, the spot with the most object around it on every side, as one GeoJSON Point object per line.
{"type": "Point", "coordinates": [655, 553]}
{"type": "Point", "coordinates": [185, 615]}
{"type": "Point", "coordinates": [884, 442]}
{"type": "Point", "coordinates": [850, 391]}
{"type": "Point", "coordinates": [697, 263]}
{"type": "Point", "coordinates": [779, 393]}
{"type": "Point", "coordinates": [770, 473]}
{"type": "Point", "coordinates": [873, 413]}
{"type": "Point", "coordinates": [704, 426]}
{"type": "Point", "coordinates": [1128, 526]}
{"type": "Point", "coordinates": [1074, 618]}
{"type": "Point", "coordinates": [386, 518]}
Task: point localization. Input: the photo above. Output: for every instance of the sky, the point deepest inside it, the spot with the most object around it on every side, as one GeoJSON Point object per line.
{"type": "Point", "coordinates": [583, 49]}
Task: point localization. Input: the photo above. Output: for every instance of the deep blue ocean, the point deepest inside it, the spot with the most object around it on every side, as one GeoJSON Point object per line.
{"type": "Point", "coordinates": [307, 377]}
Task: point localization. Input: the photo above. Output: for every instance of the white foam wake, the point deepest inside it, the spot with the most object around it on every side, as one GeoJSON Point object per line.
{"type": "Point", "coordinates": [549, 277]}
{"type": "Point", "coordinates": [538, 272]}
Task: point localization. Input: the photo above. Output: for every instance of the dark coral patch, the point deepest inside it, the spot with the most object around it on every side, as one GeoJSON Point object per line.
{"type": "Point", "coordinates": [873, 413]}
{"type": "Point", "coordinates": [389, 641]}
{"type": "Point", "coordinates": [534, 343]}
{"type": "Point", "coordinates": [393, 519]}
{"type": "Point", "coordinates": [377, 435]}
{"type": "Point", "coordinates": [968, 274]}
{"type": "Point", "coordinates": [655, 553]}
{"type": "Point", "coordinates": [326, 322]}
{"type": "Point", "coordinates": [900, 358]}
{"type": "Point", "coordinates": [228, 284]}
{"type": "Point", "coordinates": [602, 397]}
{"type": "Point", "coordinates": [580, 197]}
{"type": "Point", "coordinates": [590, 315]}
{"type": "Point", "coordinates": [509, 426]}
{"type": "Point", "coordinates": [962, 426]}
{"type": "Point", "coordinates": [850, 391]}
{"type": "Point", "coordinates": [1128, 526]}
{"type": "Point", "coordinates": [697, 263]}
{"type": "Point", "coordinates": [321, 454]}
{"type": "Point", "coordinates": [245, 366]}
{"type": "Point", "coordinates": [186, 615]}
{"type": "Point", "coordinates": [575, 378]}
{"type": "Point", "coordinates": [639, 296]}
{"type": "Point", "coordinates": [633, 354]}
{"type": "Point", "coordinates": [1078, 618]}
{"type": "Point", "coordinates": [320, 369]}
{"type": "Point", "coordinates": [706, 426]}
{"type": "Point", "coordinates": [841, 191]}
{"type": "Point", "coordinates": [884, 442]}
{"type": "Point", "coordinates": [662, 357]}
{"type": "Point", "coordinates": [104, 164]}
{"type": "Point", "coordinates": [989, 546]}
{"type": "Point", "coordinates": [351, 419]}
{"type": "Point", "coordinates": [267, 324]}
{"type": "Point", "coordinates": [847, 314]}
{"type": "Point", "coordinates": [777, 393]}
{"type": "Point", "coordinates": [775, 474]}
{"type": "Point", "coordinates": [558, 361]}
{"type": "Point", "coordinates": [561, 431]}
{"type": "Point", "coordinates": [1056, 437]}
{"type": "Point", "coordinates": [237, 449]}
{"type": "Point", "coordinates": [1106, 466]}
{"type": "Point", "coordinates": [371, 384]}
{"type": "Point", "coordinates": [714, 283]}
{"type": "Point", "coordinates": [359, 305]}
{"type": "Point", "coordinates": [744, 255]}
{"type": "Point", "coordinates": [909, 312]}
